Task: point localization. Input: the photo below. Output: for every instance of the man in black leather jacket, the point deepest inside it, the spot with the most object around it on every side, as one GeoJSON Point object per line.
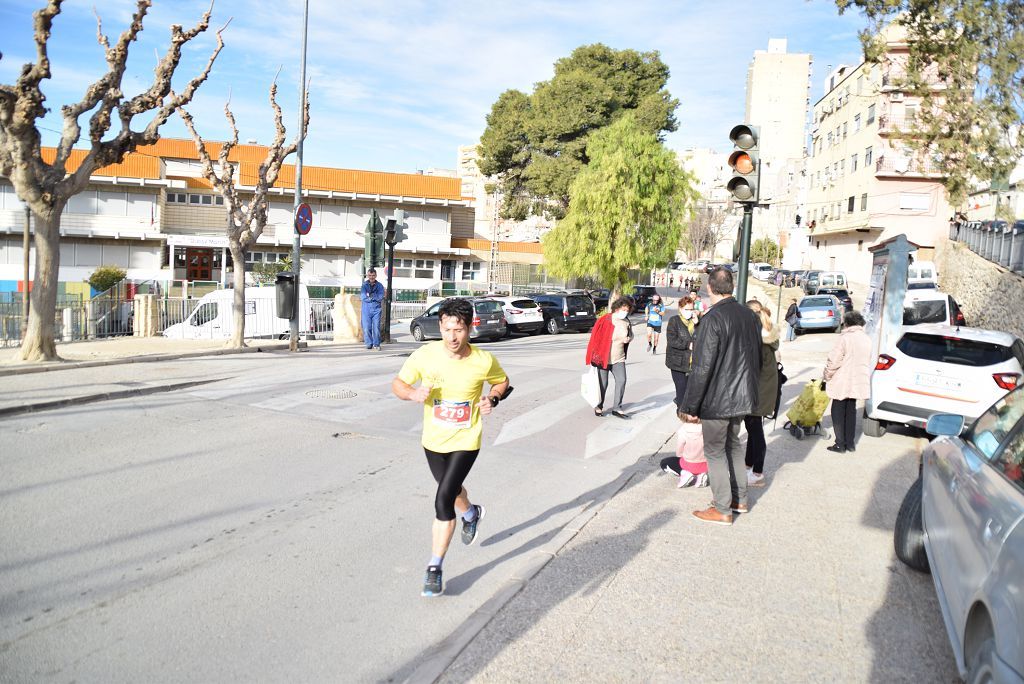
{"type": "Point", "coordinates": [722, 388]}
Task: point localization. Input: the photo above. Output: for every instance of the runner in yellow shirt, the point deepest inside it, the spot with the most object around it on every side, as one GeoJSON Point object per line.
{"type": "Point", "coordinates": [451, 374]}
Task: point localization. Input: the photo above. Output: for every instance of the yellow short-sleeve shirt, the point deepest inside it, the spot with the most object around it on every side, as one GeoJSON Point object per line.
{"type": "Point", "coordinates": [451, 419]}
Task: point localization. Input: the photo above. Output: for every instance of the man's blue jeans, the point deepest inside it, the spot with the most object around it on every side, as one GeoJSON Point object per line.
{"type": "Point", "coordinates": [371, 326]}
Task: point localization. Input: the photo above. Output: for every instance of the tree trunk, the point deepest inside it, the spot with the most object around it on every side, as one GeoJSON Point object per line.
{"type": "Point", "coordinates": [38, 344]}
{"type": "Point", "coordinates": [238, 305]}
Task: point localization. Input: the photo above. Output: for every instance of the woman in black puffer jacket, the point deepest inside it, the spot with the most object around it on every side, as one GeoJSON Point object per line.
{"type": "Point", "coordinates": [680, 336]}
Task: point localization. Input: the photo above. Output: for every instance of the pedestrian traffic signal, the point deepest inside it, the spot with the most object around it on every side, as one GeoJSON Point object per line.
{"type": "Point", "coordinates": [745, 163]}
{"type": "Point", "coordinates": [373, 251]}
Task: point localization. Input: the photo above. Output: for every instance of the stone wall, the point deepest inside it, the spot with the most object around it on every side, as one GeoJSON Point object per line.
{"type": "Point", "coordinates": [990, 296]}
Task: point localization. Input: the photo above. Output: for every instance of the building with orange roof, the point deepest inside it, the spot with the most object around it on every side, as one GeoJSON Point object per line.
{"type": "Point", "coordinates": [156, 216]}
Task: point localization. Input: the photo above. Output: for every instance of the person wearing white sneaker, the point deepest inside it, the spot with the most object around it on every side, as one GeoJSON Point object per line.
{"type": "Point", "coordinates": [767, 388]}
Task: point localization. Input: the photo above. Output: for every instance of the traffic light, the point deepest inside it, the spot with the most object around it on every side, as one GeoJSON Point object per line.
{"type": "Point", "coordinates": [745, 162]}
{"type": "Point", "coordinates": [373, 251]}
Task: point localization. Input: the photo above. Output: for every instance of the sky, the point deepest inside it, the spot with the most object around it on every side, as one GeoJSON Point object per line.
{"type": "Point", "coordinates": [399, 85]}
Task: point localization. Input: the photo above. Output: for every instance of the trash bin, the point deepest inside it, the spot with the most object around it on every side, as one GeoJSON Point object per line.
{"type": "Point", "coordinates": [285, 284]}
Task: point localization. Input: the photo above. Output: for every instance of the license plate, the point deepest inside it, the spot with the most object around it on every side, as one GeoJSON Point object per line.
{"type": "Point", "coordinates": [492, 322]}
{"type": "Point", "coordinates": [937, 382]}
{"type": "Point", "coordinates": [814, 314]}
{"type": "Point", "coordinates": [581, 313]}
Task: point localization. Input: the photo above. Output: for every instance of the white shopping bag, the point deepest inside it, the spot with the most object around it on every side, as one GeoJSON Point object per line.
{"type": "Point", "coordinates": [590, 388]}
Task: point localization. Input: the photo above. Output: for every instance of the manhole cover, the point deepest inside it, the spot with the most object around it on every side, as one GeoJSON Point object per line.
{"type": "Point", "coordinates": [330, 394]}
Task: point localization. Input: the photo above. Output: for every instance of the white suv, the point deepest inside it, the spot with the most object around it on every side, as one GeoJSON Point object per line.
{"type": "Point", "coordinates": [522, 314]}
{"type": "Point", "coordinates": [941, 369]}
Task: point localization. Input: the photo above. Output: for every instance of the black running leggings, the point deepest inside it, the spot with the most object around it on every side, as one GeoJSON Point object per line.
{"type": "Point", "coordinates": [450, 471]}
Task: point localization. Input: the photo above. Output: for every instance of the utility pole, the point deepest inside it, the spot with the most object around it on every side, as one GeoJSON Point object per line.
{"type": "Point", "coordinates": [293, 343]}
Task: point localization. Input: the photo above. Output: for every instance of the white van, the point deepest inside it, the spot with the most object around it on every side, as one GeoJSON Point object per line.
{"type": "Point", "coordinates": [835, 280]}
{"type": "Point", "coordinates": [762, 271]}
{"type": "Point", "coordinates": [921, 275]}
{"type": "Point", "coordinates": [212, 318]}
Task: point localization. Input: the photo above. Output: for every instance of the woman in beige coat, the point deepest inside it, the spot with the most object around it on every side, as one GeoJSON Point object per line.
{"type": "Point", "coordinates": [848, 378]}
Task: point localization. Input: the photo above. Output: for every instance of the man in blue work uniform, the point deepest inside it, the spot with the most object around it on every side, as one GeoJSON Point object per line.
{"type": "Point", "coordinates": [371, 294]}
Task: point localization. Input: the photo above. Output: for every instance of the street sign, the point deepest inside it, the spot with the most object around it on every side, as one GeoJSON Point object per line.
{"type": "Point", "coordinates": [303, 219]}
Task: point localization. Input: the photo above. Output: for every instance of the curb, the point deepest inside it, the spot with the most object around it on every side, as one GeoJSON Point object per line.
{"type": "Point", "coordinates": [55, 366]}
{"type": "Point", "coordinates": [104, 396]}
{"type": "Point", "coordinates": [444, 653]}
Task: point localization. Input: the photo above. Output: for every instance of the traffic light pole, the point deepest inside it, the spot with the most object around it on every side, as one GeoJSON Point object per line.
{"type": "Point", "coordinates": [385, 334]}
{"type": "Point", "coordinates": [741, 271]}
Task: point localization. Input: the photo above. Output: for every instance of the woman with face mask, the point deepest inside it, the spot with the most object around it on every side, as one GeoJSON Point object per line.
{"type": "Point", "coordinates": [679, 338]}
{"type": "Point", "coordinates": [606, 351]}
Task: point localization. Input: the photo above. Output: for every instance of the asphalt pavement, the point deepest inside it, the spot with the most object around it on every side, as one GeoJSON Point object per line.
{"type": "Point", "coordinates": [142, 558]}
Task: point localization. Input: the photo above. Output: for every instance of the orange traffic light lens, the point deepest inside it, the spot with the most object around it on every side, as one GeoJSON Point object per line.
{"type": "Point", "coordinates": [743, 164]}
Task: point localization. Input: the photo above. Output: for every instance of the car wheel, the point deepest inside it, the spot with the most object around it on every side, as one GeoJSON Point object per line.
{"type": "Point", "coordinates": [908, 537]}
{"type": "Point", "coordinates": [873, 428]}
{"type": "Point", "coordinates": [417, 333]}
{"type": "Point", "coordinates": [552, 327]}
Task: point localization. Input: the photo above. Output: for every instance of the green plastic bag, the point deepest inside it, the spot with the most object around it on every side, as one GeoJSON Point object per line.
{"type": "Point", "coordinates": [810, 406]}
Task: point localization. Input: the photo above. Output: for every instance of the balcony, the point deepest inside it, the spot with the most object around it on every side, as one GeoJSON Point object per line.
{"type": "Point", "coordinates": [895, 125]}
{"type": "Point", "coordinates": [903, 167]}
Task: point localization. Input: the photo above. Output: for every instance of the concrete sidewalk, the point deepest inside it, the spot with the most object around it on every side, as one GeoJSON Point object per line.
{"type": "Point", "coordinates": [805, 587]}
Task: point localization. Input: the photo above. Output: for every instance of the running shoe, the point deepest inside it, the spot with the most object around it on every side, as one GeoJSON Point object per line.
{"type": "Point", "coordinates": [469, 528]}
{"type": "Point", "coordinates": [702, 480]}
{"type": "Point", "coordinates": [686, 478]}
{"type": "Point", "coordinates": [754, 479]}
{"type": "Point", "coordinates": [432, 585]}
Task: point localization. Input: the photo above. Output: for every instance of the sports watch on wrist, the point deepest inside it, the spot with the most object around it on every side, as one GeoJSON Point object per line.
{"type": "Point", "coordinates": [494, 400]}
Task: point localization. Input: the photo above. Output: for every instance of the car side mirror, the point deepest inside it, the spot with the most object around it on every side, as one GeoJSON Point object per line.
{"type": "Point", "coordinates": [944, 425]}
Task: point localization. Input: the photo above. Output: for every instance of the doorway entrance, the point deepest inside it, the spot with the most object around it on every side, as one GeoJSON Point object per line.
{"type": "Point", "coordinates": [198, 264]}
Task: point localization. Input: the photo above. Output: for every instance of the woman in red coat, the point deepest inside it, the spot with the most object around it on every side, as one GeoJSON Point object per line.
{"type": "Point", "coordinates": [609, 342]}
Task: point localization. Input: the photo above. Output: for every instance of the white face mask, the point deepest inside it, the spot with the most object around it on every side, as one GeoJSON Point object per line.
{"type": "Point", "coordinates": [686, 313]}
{"type": "Point", "coordinates": [621, 315]}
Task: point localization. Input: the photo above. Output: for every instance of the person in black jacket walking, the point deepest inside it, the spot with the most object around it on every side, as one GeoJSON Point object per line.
{"type": "Point", "coordinates": [679, 338]}
{"type": "Point", "coordinates": [721, 390]}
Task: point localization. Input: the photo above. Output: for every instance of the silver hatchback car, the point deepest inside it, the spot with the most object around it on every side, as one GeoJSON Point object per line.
{"type": "Point", "coordinates": [963, 520]}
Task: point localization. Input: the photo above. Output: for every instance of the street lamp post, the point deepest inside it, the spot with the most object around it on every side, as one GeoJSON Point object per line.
{"type": "Point", "coordinates": [390, 238]}
{"type": "Point", "coordinates": [293, 324]}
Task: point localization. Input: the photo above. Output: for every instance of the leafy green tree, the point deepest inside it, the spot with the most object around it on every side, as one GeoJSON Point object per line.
{"type": "Point", "coordinates": [764, 250]}
{"type": "Point", "coordinates": [537, 143]}
{"type": "Point", "coordinates": [628, 206]}
{"type": "Point", "coordinates": [970, 126]}
{"type": "Point", "coordinates": [265, 273]}
{"type": "Point", "coordinates": [106, 277]}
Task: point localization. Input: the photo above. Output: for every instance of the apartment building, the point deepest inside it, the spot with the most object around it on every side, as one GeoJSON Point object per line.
{"type": "Point", "coordinates": [866, 185]}
{"type": "Point", "coordinates": [154, 215]}
{"type": "Point", "coordinates": [777, 101]}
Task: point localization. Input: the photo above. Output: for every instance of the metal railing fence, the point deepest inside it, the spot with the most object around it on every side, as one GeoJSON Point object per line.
{"type": "Point", "coordinates": [1000, 242]}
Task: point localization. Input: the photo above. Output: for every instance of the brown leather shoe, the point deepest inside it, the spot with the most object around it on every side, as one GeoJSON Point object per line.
{"type": "Point", "coordinates": [711, 515]}
{"type": "Point", "coordinates": [739, 508]}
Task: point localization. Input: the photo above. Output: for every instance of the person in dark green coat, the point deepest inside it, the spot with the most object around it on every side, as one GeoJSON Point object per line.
{"type": "Point", "coordinates": [767, 388]}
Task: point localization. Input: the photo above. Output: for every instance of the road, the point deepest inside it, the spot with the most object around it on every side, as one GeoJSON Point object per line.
{"type": "Point", "coordinates": [281, 513]}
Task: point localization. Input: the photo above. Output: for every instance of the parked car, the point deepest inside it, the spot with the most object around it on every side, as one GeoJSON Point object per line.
{"type": "Point", "coordinates": [810, 282]}
{"type": "Point", "coordinates": [921, 275]}
{"type": "Point", "coordinates": [642, 295]}
{"type": "Point", "coordinates": [522, 314]}
{"type": "Point", "coordinates": [762, 271]}
{"type": "Point", "coordinates": [940, 369]}
{"type": "Point", "coordinates": [963, 520]}
{"type": "Point", "coordinates": [842, 295]}
{"type": "Point", "coordinates": [600, 298]}
{"type": "Point", "coordinates": [798, 277]}
{"type": "Point", "coordinates": [708, 268]}
{"type": "Point", "coordinates": [931, 306]}
{"type": "Point", "coordinates": [819, 312]}
{"type": "Point", "coordinates": [488, 323]}
{"type": "Point", "coordinates": [565, 311]}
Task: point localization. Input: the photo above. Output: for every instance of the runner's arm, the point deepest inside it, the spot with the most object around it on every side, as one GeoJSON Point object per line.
{"type": "Point", "coordinates": [407, 392]}
{"type": "Point", "coordinates": [496, 391]}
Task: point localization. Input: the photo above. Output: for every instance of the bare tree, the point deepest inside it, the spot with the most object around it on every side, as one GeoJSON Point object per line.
{"type": "Point", "coordinates": [706, 229]}
{"type": "Point", "coordinates": [246, 220]}
{"type": "Point", "coordinates": [46, 187]}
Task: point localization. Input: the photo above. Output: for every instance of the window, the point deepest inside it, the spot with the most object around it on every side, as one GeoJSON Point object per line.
{"type": "Point", "coordinates": [82, 203]}
{"type": "Point", "coordinates": [177, 198]}
{"type": "Point", "coordinates": [867, 156]}
{"type": "Point", "coordinates": [853, 163]}
{"type": "Point", "coordinates": [219, 200]}
{"type": "Point", "coordinates": [860, 245]}
{"type": "Point", "coordinates": [844, 130]}
{"type": "Point", "coordinates": [856, 123]}
{"type": "Point", "coordinates": [403, 268]}
{"type": "Point", "coordinates": [424, 268]}
{"type": "Point", "coordinates": [1011, 457]}
{"type": "Point", "coordinates": [842, 167]}
{"type": "Point", "coordinates": [204, 314]}
{"type": "Point", "coordinates": [910, 113]}
{"type": "Point", "coordinates": [829, 139]}
{"type": "Point", "coordinates": [471, 270]}
{"type": "Point", "coordinates": [915, 201]}
{"type": "Point", "coordinates": [860, 84]}
{"type": "Point", "coordinates": [849, 204]}
{"type": "Point", "coordinates": [864, 202]}
{"type": "Point", "coordinates": [207, 199]}
{"type": "Point", "coordinates": [871, 113]}
{"type": "Point", "coordinates": [254, 257]}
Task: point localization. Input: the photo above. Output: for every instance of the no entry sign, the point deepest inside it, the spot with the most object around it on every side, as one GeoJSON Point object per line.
{"type": "Point", "coordinates": [303, 218]}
